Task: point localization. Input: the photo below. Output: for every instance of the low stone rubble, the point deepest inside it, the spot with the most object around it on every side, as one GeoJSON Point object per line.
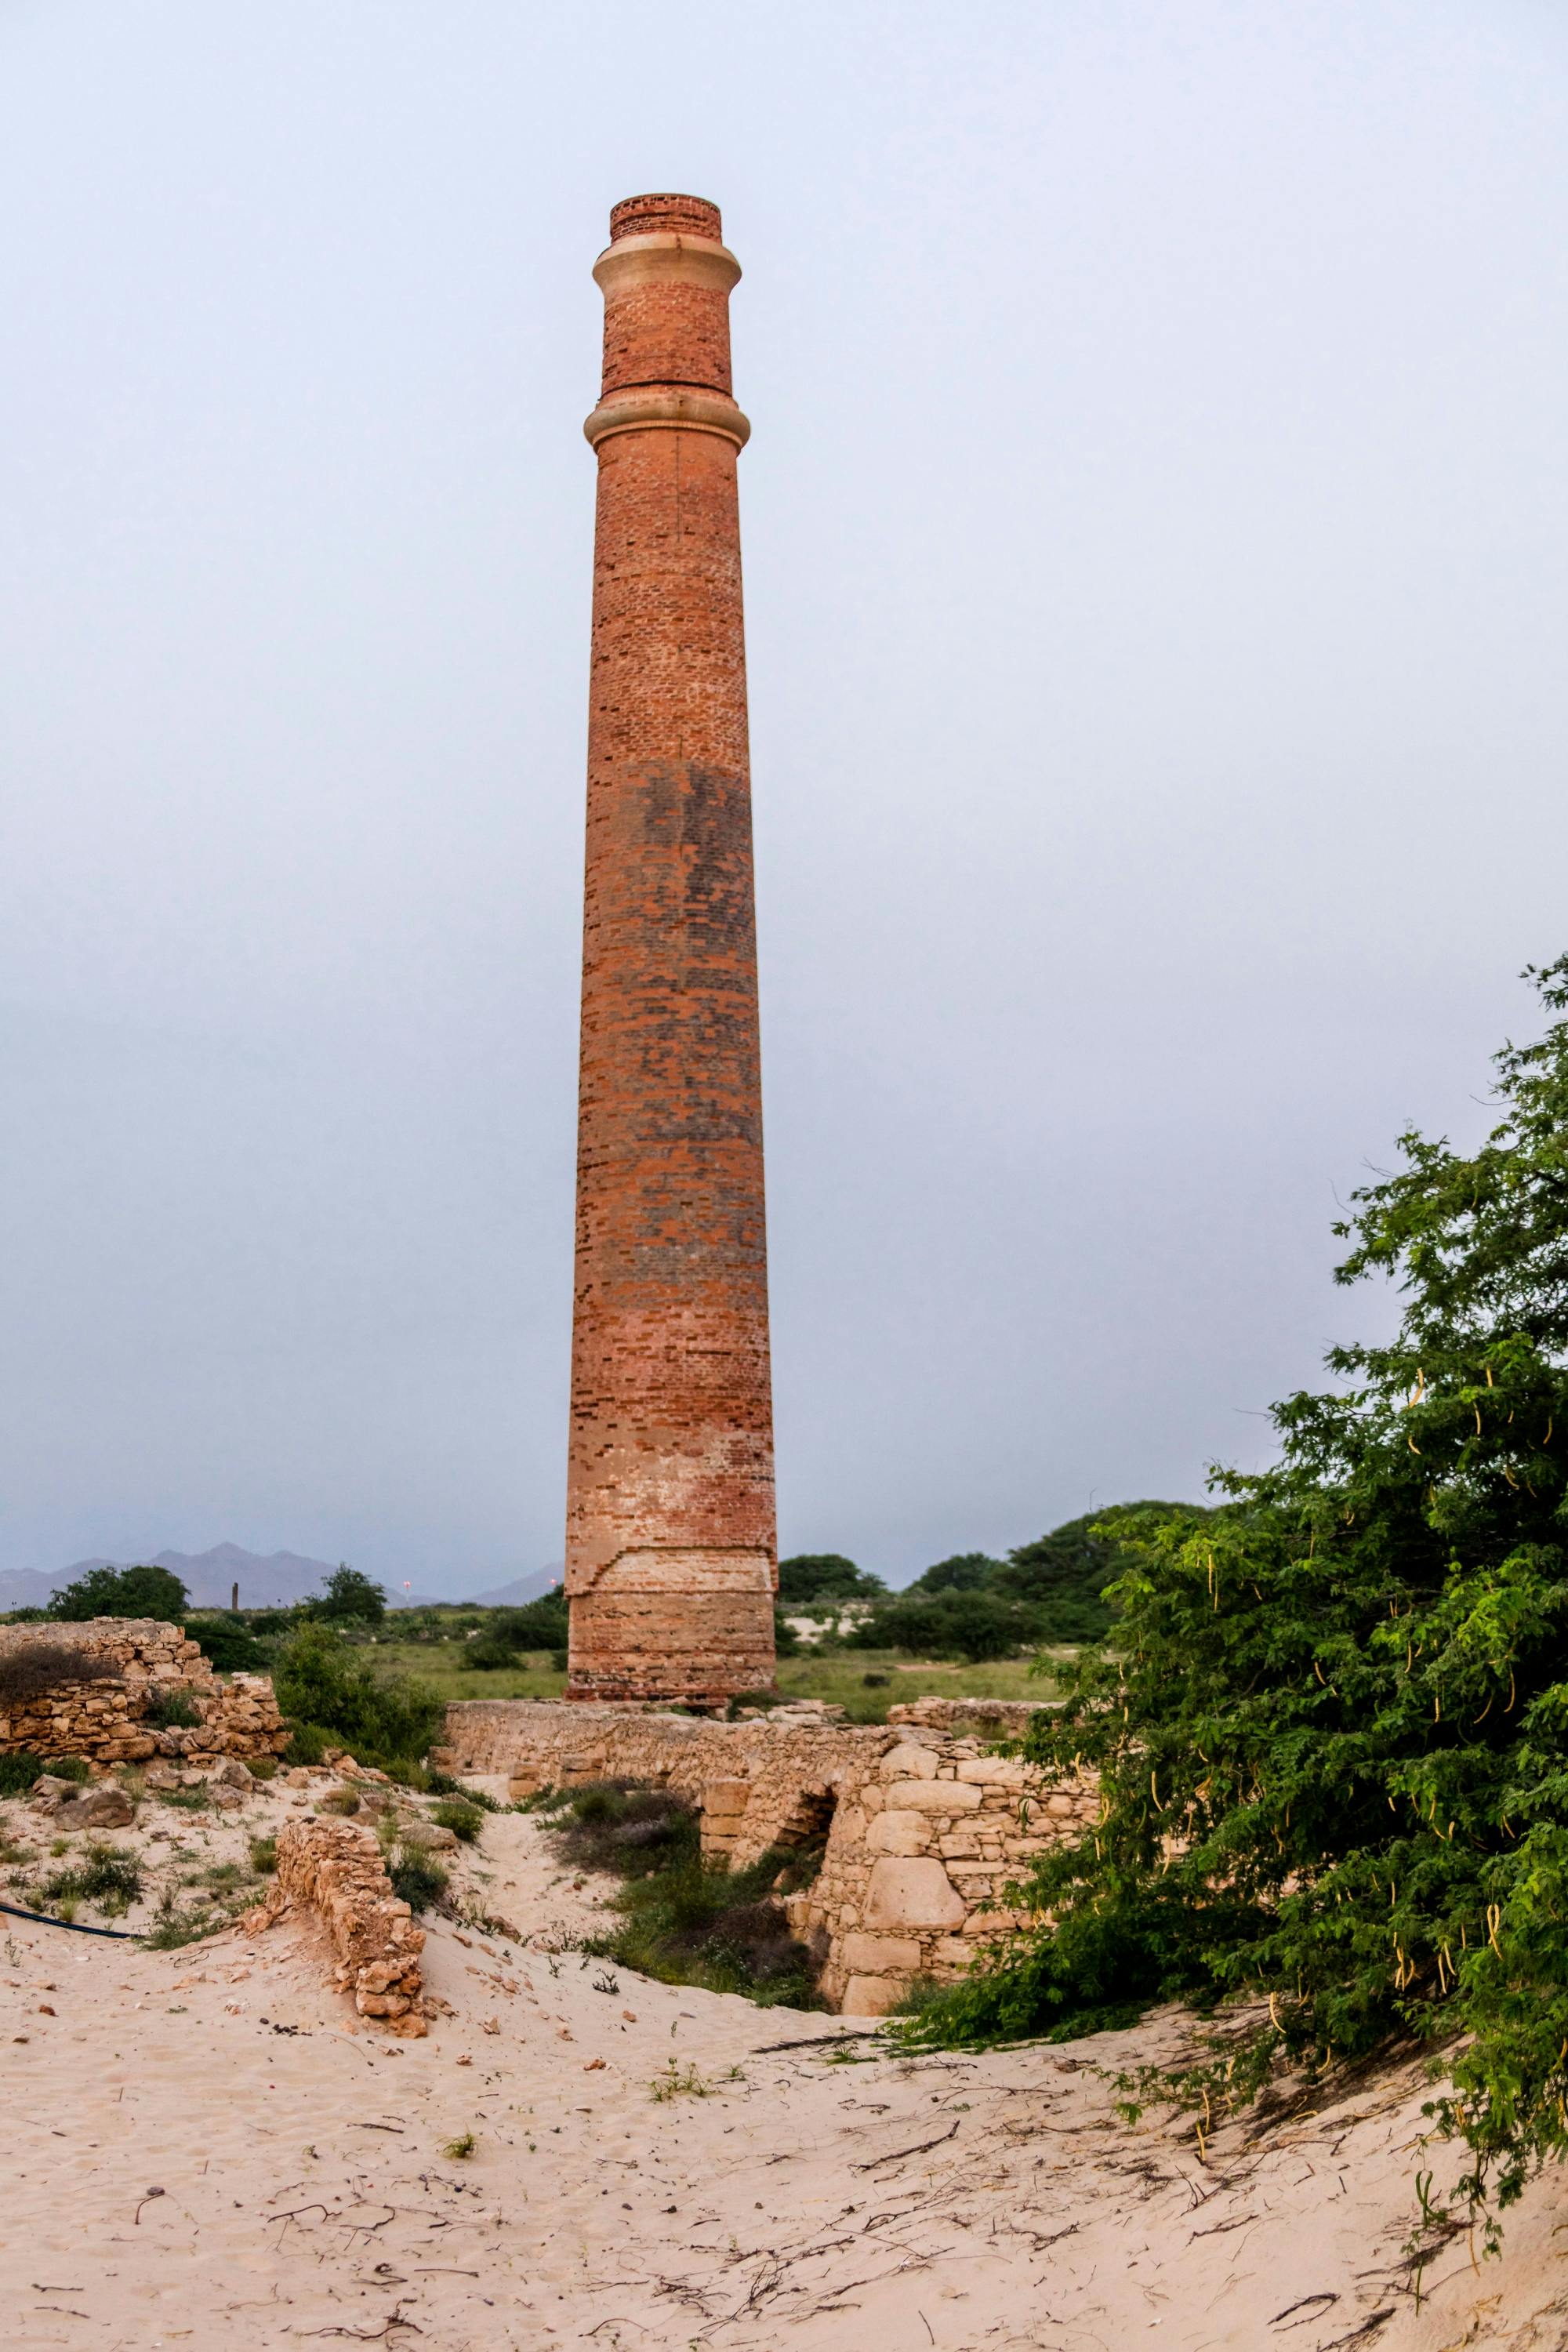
{"type": "Point", "coordinates": [335, 1868]}
{"type": "Point", "coordinates": [104, 1719]}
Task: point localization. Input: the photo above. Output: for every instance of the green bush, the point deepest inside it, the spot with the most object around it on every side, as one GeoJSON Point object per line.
{"type": "Point", "coordinates": [506, 1634]}
{"type": "Point", "coordinates": [339, 1700]}
{"type": "Point", "coordinates": [462, 1819]}
{"type": "Point", "coordinates": [441, 1784]}
{"type": "Point", "coordinates": [1332, 1739]}
{"type": "Point", "coordinates": [417, 1880]}
{"type": "Point", "coordinates": [108, 1875]}
{"type": "Point", "coordinates": [174, 1711]}
{"type": "Point", "coordinates": [956, 1623]}
{"type": "Point", "coordinates": [263, 1855]}
{"type": "Point", "coordinates": [227, 1644]}
{"type": "Point", "coordinates": [18, 1773]}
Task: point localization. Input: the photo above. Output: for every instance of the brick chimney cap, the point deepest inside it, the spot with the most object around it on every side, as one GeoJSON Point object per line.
{"type": "Point", "coordinates": [686, 215]}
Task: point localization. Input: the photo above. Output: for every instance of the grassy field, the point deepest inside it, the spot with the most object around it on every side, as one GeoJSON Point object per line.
{"type": "Point", "coordinates": [839, 1677]}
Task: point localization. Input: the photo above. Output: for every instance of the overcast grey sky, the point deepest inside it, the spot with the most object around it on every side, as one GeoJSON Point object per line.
{"type": "Point", "coordinates": [1156, 527]}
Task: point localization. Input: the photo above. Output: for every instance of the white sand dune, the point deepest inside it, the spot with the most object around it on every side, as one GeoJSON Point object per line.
{"type": "Point", "coordinates": [202, 2150]}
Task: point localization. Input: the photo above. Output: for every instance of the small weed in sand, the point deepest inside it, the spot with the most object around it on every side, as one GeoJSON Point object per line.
{"type": "Point", "coordinates": [263, 1855]}
{"type": "Point", "coordinates": [458, 2148]}
{"type": "Point", "coordinates": [339, 1800]}
{"type": "Point", "coordinates": [441, 1784]}
{"type": "Point", "coordinates": [11, 1852]}
{"type": "Point", "coordinates": [184, 1800]}
{"type": "Point", "coordinates": [676, 2082]}
{"type": "Point", "coordinates": [455, 1813]}
{"type": "Point", "coordinates": [17, 1773]}
{"type": "Point", "coordinates": [108, 1875]}
{"type": "Point", "coordinates": [173, 1928]}
{"type": "Point", "coordinates": [60, 1845]}
{"type": "Point", "coordinates": [417, 1881]}
{"type": "Point", "coordinates": [175, 1711]}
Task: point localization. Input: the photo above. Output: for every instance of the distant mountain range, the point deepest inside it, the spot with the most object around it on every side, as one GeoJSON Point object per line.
{"type": "Point", "coordinates": [521, 1589]}
{"type": "Point", "coordinates": [266, 1581]}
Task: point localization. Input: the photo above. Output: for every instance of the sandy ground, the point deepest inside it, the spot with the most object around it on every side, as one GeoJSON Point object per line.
{"type": "Point", "coordinates": [202, 2150]}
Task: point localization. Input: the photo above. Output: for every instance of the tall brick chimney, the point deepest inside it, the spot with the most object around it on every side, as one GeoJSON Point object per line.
{"type": "Point", "coordinates": [671, 1543]}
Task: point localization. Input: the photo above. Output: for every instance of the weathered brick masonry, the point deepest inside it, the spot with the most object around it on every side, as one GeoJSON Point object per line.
{"type": "Point", "coordinates": [671, 1543]}
{"type": "Point", "coordinates": [925, 1831]}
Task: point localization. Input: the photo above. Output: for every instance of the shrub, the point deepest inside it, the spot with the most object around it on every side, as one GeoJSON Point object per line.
{"type": "Point", "coordinates": [18, 1773]}
{"type": "Point", "coordinates": [144, 1592]}
{"type": "Point", "coordinates": [1331, 1740]}
{"type": "Point", "coordinates": [227, 1644]}
{"type": "Point", "coordinates": [417, 1880]}
{"type": "Point", "coordinates": [441, 1784]}
{"type": "Point", "coordinates": [786, 1641]}
{"type": "Point", "coordinates": [341, 1701]}
{"type": "Point", "coordinates": [340, 1801]}
{"type": "Point", "coordinates": [462, 1819]}
{"type": "Point", "coordinates": [175, 1711]}
{"type": "Point", "coordinates": [50, 1665]}
{"type": "Point", "coordinates": [307, 1742]}
{"type": "Point", "coordinates": [506, 1633]}
{"type": "Point", "coordinates": [263, 1855]}
{"type": "Point", "coordinates": [956, 1623]}
{"type": "Point", "coordinates": [109, 1875]}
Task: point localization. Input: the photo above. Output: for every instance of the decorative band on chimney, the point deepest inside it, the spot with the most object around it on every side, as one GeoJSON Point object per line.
{"type": "Point", "coordinates": [670, 405]}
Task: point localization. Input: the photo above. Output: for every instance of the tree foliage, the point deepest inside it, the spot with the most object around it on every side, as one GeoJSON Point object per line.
{"type": "Point", "coordinates": [144, 1592]}
{"type": "Point", "coordinates": [1331, 1735]}
{"type": "Point", "coordinates": [348, 1598]}
{"type": "Point", "coordinates": [809, 1576]}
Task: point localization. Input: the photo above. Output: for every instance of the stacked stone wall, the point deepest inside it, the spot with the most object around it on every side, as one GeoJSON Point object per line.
{"type": "Point", "coordinates": [335, 1869]}
{"type": "Point", "coordinates": [104, 1720]}
{"type": "Point", "coordinates": [927, 1832]}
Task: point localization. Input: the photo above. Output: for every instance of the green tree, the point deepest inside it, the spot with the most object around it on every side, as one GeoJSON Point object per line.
{"type": "Point", "coordinates": [809, 1576]}
{"type": "Point", "coordinates": [1331, 1735]}
{"type": "Point", "coordinates": [348, 1598]}
{"type": "Point", "coordinates": [966, 1571]}
{"type": "Point", "coordinates": [1063, 1574]}
{"type": "Point", "coordinates": [144, 1592]}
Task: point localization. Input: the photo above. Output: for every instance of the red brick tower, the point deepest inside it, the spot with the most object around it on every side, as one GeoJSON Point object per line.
{"type": "Point", "coordinates": [670, 1546]}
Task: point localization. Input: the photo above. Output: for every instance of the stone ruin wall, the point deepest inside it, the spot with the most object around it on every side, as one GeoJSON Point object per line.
{"type": "Point", "coordinates": [335, 1869]}
{"type": "Point", "coordinates": [926, 1831]}
{"type": "Point", "coordinates": [105, 1721]}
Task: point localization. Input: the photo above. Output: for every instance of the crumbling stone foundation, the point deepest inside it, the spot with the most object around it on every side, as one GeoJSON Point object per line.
{"type": "Point", "coordinates": [335, 1869]}
{"type": "Point", "coordinates": [105, 1720]}
{"type": "Point", "coordinates": [926, 1833]}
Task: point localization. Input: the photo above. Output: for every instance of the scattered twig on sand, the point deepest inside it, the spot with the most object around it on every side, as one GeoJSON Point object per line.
{"type": "Point", "coordinates": [1322, 2300]}
{"type": "Point", "coordinates": [817, 2042]}
{"type": "Point", "coordinates": [1363, 2334]}
{"type": "Point", "coordinates": [918, 2150]}
{"type": "Point", "coordinates": [146, 2199]}
{"type": "Point", "coordinates": [369, 2335]}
